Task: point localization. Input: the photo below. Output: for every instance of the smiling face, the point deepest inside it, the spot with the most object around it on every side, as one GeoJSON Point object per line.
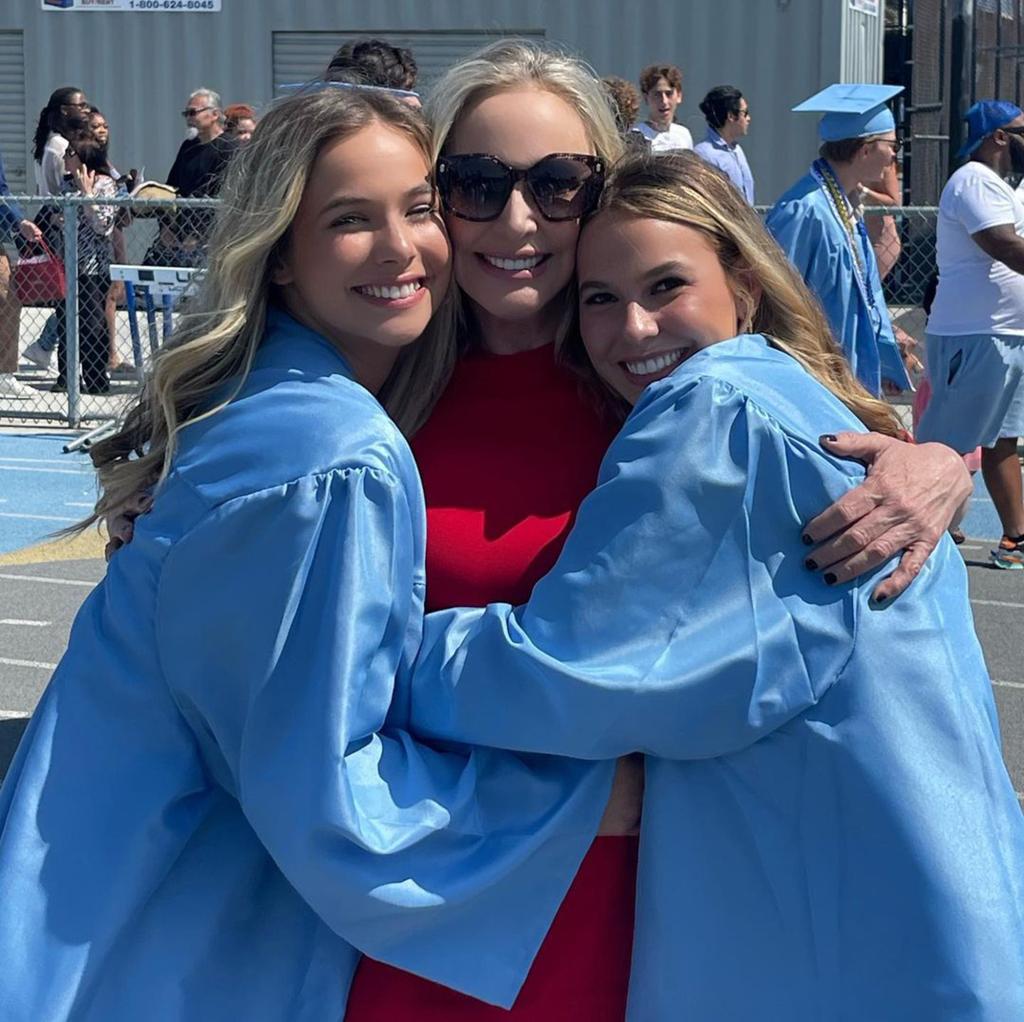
{"type": "Point", "coordinates": [652, 293]}
{"type": "Point", "coordinates": [366, 260]}
{"type": "Point", "coordinates": [514, 268]}
{"type": "Point", "coordinates": [99, 128]}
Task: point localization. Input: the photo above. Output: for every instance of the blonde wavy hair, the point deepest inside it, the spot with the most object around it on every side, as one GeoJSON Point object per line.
{"type": "Point", "coordinates": [772, 297]}
{"type": "Point", "coordinates": [213, 347]}
{"type": "Point", "coordinates": [512, 64]}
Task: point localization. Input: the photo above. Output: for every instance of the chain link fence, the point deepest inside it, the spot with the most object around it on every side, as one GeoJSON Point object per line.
{"type": "Point", "coordinates": [77, 359]}
{"type": "Point", "coordinates": [75, 333]}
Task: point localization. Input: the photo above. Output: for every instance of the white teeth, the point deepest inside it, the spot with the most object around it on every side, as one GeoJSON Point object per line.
{"type": "Point", "coordinates": [653, 365]}
{"type": "Point", "coordinates": [527, 263]}
{"type": "Point", "coordinates": [400, 291]}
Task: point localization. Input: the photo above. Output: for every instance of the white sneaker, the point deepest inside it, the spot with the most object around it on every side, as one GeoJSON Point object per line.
{"type": "Point", "coordinates": [11, 386]}
{"type": "Point", "coordinates": [38, 356]}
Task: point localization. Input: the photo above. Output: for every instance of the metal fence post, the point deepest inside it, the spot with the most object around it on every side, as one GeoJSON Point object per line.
{"type": "Point", "coordinates": [71, 310]}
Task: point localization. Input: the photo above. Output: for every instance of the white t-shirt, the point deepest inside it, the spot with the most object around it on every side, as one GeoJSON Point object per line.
{"type": "Point", "coordinates": [677, 137]}
{"type": "Point", "coordinates": [976, 294]}
{"type": "Point", "coordinates": [50, 172]}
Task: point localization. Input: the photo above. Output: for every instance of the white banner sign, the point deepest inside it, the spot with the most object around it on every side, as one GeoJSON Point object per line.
{"type": "Point", "coordinates": [154, 6]}
{"type": "Point", "coordinates": [865, 6]}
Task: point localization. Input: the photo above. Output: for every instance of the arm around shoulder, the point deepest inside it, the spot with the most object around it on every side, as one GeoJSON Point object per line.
{"type": "Point", "coordinates": [675, 622]}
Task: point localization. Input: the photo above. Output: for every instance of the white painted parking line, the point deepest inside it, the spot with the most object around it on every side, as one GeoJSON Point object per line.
{"type": "Point", "coordinates": [27, 624]}
{"type": "Point", "coordinates": [4, 459]}
{"type": "Point", "coordinates": [53, 581]}
{"type": "Point", "coordinates": [998, 603]}
{"type": "Point", "coordinates": [13, 715]}
{"type": "Point", "coordinates": [35, 664]}
{"type": "Point", "coordinates": [37, 518]}
{"type": "Point", "coordinates": [1008, 684]}
{"type": "Point", "coordinates": [48, 471]}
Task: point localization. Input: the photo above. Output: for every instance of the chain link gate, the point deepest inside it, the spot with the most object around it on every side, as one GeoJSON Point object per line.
{"type": "Point", "coordinates": [78, 360]}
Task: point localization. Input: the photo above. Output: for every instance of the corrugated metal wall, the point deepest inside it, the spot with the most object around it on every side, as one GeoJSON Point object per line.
{"type": "Point", "coordinates": [139, 67]}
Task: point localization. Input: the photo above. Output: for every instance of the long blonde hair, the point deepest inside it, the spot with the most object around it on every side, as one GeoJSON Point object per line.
{"type": "Point", "coordinates": [515, 63]}
{"type": "Point", "coordinates": [213, 348]}
{"type": "Point", "coordinates": [681, 188]}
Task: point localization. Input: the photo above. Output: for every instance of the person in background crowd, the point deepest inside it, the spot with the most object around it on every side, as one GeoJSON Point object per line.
{"type": "Point", "coordinates": [728, 117]}
{"type": "Point", "coordinates": [625, 102]}
{"type": "Point", "coordinates": [196, 173]}
{"type": "Point", "coordinates": [817, 224]}
{"type": "Point", "coordinates": [65, 111]}
{"type": "Point", "coordinates": [975, 337]}
{"type": "Point", "coordinates": [239, 121]}
{"type": "Point", "coordinates": [91, 175]}
{"type": "Point", "coordinates": [115, 294]}
{"type": "Point", "coordinates": [662, 86]}
{"type": "Point", "coordinates": [11, 219]}
{"type": "Point", "coordinates": [378, 63]}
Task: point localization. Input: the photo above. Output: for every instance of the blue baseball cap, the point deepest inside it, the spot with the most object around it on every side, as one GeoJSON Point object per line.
{"type": "Point", "coordinates": [982, 119]}
{"type": "Point", "coordinates": [852, 110]}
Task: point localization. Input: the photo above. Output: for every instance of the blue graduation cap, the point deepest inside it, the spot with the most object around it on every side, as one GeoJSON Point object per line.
{"type": "Point", "coordinates": [852, 111]}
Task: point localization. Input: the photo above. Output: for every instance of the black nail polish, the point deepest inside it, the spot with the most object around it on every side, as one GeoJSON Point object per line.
{"type": "Point", "coordinates": [811, 564]}
{"type": "Point", "coordinates": [807, 540]}
{"type": "Point", "coordinates": [830, 579]}
{"type": "Point", "coordinates": [827, 436]}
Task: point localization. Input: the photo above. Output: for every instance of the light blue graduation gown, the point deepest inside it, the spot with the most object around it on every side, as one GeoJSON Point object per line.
{"type": "Point", "coordinates": [829, 832]}
{"type": "Point", "coordinates": [215, 803]}
{"type": "Point", "coordinates": [810, 233]}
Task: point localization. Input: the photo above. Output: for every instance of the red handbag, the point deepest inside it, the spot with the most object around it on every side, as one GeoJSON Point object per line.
{"type": "Point", "coordinates": [39, 278]}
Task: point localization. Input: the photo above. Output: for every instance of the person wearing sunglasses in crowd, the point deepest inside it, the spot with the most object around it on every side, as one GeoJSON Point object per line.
{"type": "Point", "coordinates": [829, 830]}
{"type": "Point", "coordinates": [819, 226]}
{"type": "Point", "coordinates": [523, 137]}
{"type": "Point", "coordinates": [89, 174]}
{"type": "Point", "coordinates": [66, 111]}
{"type": "Point", "coordinates": [728, 115]}
{"type": "Point", "coordinates": [239, 121]}
{"type": "Point", "coordinates": [975, 335]}
{"type": "Point", "coordinates": [215, 802]}
{"type": "Point", "coordinates": [514, 444]}
{"type": "Point", "coordinates": [196, 174]}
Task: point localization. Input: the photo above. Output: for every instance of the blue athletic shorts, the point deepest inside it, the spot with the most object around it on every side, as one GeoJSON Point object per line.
{"type": "Point", "coordinates": [977, 383]}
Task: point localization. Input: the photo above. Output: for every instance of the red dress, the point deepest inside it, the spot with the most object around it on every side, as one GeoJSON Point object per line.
{"type": "Point", "coordinates": [506, 458]}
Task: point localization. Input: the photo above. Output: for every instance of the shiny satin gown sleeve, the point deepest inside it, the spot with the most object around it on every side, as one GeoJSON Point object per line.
{"type": "Point", "coordinates": [817, 247]}
{"type": "Point", "coordinates": [679, 620]}
{"type": "Point", "coordinates": [447, 864]}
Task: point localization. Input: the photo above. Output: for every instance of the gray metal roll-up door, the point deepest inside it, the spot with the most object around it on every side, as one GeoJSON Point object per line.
{"type": "Point", "coordinates": [302, 56]}
{"type": "Point", "coordinates": [14, 142]}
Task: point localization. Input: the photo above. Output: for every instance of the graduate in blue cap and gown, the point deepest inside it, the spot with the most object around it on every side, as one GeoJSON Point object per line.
{"type": "Point", "coordinates": [828, 831]}
{"type": "Point", "coordinates": [818, 225]}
